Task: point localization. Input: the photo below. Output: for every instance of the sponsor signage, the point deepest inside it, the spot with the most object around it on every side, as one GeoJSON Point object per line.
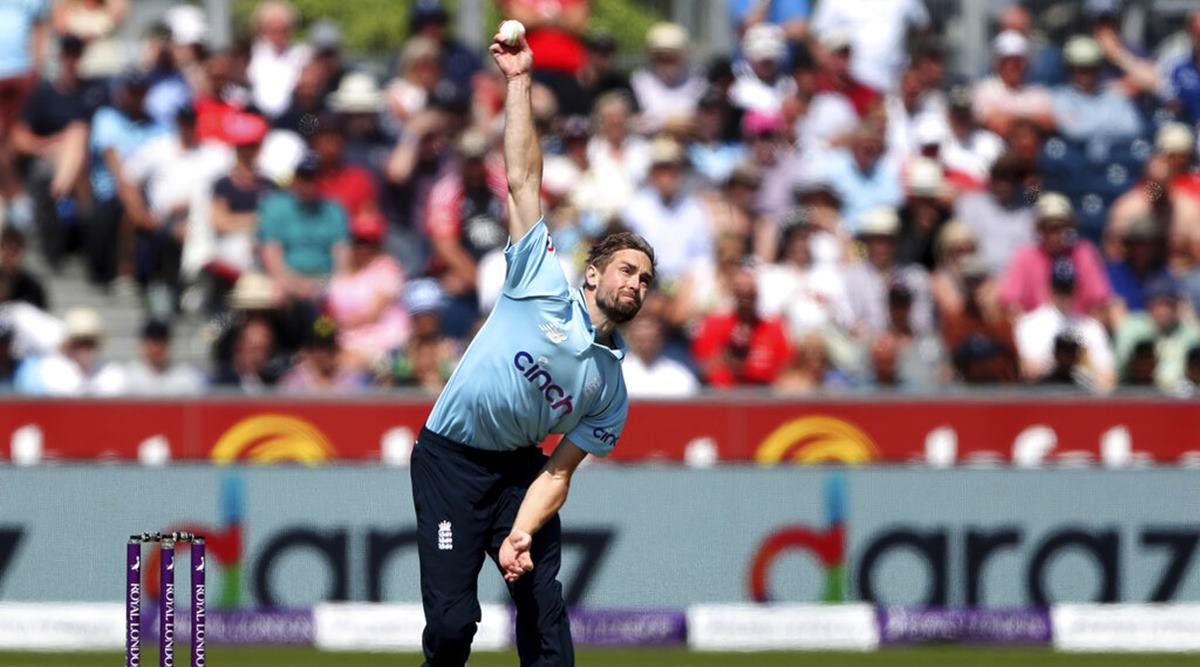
{"type": "Point", "coordinates": [1024, 432]}
{"type": "Point", "coordinates": [396, 627]}
{"type": "Point", "coordinates": [899, 625]}
{"type": "Point", "coordinates": [847, 627]}
{"type": "Point", "coordinates": [1140, 628]}
{"type": "Point", "coordinates": [627, 628]}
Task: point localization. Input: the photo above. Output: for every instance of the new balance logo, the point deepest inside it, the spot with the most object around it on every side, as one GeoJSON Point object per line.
{"type": "Point", "coordinates": [552, 332]}
{"type": "Point", "coordinates": [137, 564]}
{"type": "Point", "coordinates": [200, 567]}
{"type": "Point", "coordinates": [171, 566]}
{"type": "Point", "coordinates": [445, 536]}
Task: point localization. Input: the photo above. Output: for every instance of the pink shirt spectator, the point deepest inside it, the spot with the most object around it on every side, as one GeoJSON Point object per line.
{"type": "Point", "coordinates": [1026, 281]}
{"type": "Point", "coordinates": [354, 300]}
{"type": "Point", "coordinates": [992, 96]}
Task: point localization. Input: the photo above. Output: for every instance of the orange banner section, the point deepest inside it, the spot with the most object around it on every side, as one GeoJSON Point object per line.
{"type": "Point", "coordinates": [940, 432]}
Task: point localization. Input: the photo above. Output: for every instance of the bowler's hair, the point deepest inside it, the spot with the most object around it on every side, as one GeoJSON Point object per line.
{"type": "Point", "coordinates": [602, 251]}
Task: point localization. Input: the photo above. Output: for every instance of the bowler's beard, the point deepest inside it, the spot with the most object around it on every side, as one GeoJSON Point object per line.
{"type": "Point", "coordinates": [618, 311]}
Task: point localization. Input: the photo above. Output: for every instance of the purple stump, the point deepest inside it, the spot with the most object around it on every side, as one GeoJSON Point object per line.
{"type": "Point", "coordinates": [133, 603]}
{"type": "Point", "coordinates": [199, 613]}
{"type": "Point", "coordinates": [166, 605]}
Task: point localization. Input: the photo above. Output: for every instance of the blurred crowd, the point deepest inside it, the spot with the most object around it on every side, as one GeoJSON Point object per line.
{"type": "Point", "coordinates": [832, 209]}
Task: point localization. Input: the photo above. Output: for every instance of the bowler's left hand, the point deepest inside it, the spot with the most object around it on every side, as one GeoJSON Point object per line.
{"type": "Point", "coordinates": [514, 555]}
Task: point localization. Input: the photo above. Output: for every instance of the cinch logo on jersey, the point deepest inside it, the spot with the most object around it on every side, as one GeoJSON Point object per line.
{"type": "Point", "coordinates": [605, 436]}
{"type": "Point", "coordinates": [542, 379]}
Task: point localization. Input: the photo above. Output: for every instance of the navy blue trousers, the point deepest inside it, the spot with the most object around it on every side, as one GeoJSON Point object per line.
{"type": "Point", "coordinates": [466, 501]}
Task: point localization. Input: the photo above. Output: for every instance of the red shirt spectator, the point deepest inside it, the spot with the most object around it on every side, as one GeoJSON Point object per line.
{"type": "Point", "coordinates": [349, 185]}
{"type": "Point", "coordinates": [553, 29]}
{"type": "Point", "coordinates": [739, 347]}
{"type": "Point", "coordinates": [835, 76]}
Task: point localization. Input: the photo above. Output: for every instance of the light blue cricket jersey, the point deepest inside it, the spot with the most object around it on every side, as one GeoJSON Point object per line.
{"type": "Point", "coordinates": [535, 367]}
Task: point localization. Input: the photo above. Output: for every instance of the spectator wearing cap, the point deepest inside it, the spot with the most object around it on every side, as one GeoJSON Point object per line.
{"type": "Point", "coordinates": [869, 279]}
{"type": "Point", "coordinates": [980, 362]}
{"type": "Point", "coordinates": [465, 222]}
{"type": "Point", "coordinates": [169, 88]}
{"type": "Point", "coordinates": [22, 45]}
{"type": "Point", "coordinates": [52, 133]}
{"type": "Point", "coordinates": [1086, 110]}
{"type": "Point", "coordinates": [967, 150]}
{"type": "Point", "coordinates": [1141, 262]}
{"type": "Point", "coordinates": [302, 236]}
{"type": "Point", "coordinates": [428, 359]}
{"type": "Point", "coordinates": [76, 369]}
{"type": "Point", "coordinates": [1183, 78]}
{"type": "Point", "coordinates": [738, 347]}
{"type": "Point", "coordinates": [235, 201]}
{"type": "Point", "coordinates": [117, 133]}
{"type": "Point", "coordinates": [712, 156]}
{"type": "Point", "coordinates": [359, 101]}
{"type": "Point", "coordinates": [417, 75]}
{"type": "Point", "coordinates": [815, 194]}
{"type": "Point", "coordinates": [863, 176]}
{"type": "Point", "coordinates": [321, 368]}
{"type": "Point", "coordinates": [306, 102]}
{"type": "Point", "coordinates": [1000, 100]}
{"type": "Point", "coordinates": [1000, 216]}
{"type": "Point", "coordinates": [255, 318]}
{"type": "Point", "coordinates": [878, 32]}
{"type": "Point", "coordinates": [1167, 325]}
{"type": "Point", "coordinates": [925, 212]}
{"type": "Point", "coordinates": [1176, 144]}
{"type": "Point", "coordinates": [648, 372]}
{"type": "Point", "coordinates": [761, 83]}
{"type": "Point", "coordinates": [835, 55]}
{"type": "Point", "coordinates": [458, 63]}
{"type": "Point", "coordinates": [777, 161]}
{"type": "Point", "coordinates": [350, 185]}
{"type": "Point", "coordinates": [1025, 284]}
{"type": "Point", "coordinates": [599, 74]}
{"type": "Point", "coordinates": [275, 59]}
{"type": "Point", "coordinates": [155, 374]}
{"type": "Point", "coordinates": [810, 297]}
{"type": "Point", "coordinates": [619, 158]}
{"type": "Point", "coordinates": [1038, 332]}
{"type": "Point", "coordinates": [17, 283]}
{"type": "Point", "coordinates": [668, 216]}
{"type": "Point", "coordinates": [364, 299]}
{"type": "Point", "coordinates": [668, 86]}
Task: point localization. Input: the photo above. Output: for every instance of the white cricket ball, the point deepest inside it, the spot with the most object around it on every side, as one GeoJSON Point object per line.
{"type": "Point", "coordinates": [512, 32]}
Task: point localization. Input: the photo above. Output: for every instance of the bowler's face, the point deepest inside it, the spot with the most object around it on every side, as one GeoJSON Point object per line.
{"type": "Point", "coordinates": [622, 285]}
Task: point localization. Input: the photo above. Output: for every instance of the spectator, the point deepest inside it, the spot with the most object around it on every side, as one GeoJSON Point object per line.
{"type": "Point", "coordinates": [1143, 260]}
{"type": "Point", "coordinates": [117, 133]}
{"type": "Point", "coordinates": [1169, 329]}
{"type": "Point", "coordinates": [1190, 384]}
{"type": "Point", "coordinates": [667, 87]}
{"type": "Point", "coordinates": [980, 361]}
{"type": "Point", "coordinates": [319, 369]}
{"type": "Point", "coordinates": [790, 15]}
{"type": "Point", "coordinates": [1176, 143]}
{"type": "Point", "coordinates": [169, 91]}
{"type": "Point", "coordinates": [9, 361]}
{"type": "Point", "coordinates": [967, 151]}
{"type": "Point", "coordinates": [16, 282]}
{"type": "Point", "coordinates": [326, 38]}
{"type": "Point", "coordinates": [275, 60]}
{"type": "Point", "coordinates": [761, 84]}
{"type": "Point", "coordinates": [1000, 216]}
{"type": "Point", "coordinates": [811, 370]}
{"type": "Point", "coordinates": [648, 374]}
{"type": "Point", "coordinates": [967, 307]}
{"type": "Point", "coordinates": [837, 51]}
{"type": "Point", "coordinates": [465, 222]}
{"type": "Point", "coordinates": [22, 45]}
{"type": "Point", "coordinates": [1085, 110]}
{"type": "Point", "coordinates": [738, 347]}
{"type": "Point", "coordinates": [810, 297]}
{"type": "Point", "coordinates": [1126, 62]}
{"type": "Point", "coordinates": [599, 75]}
{"type": "Point", "coordinates": [419, 72]}
{"type": "Point", "coordinates": [1183, 78]}
{"type": "Point", "coordinates": [619, 158]}
{"type": "Point", "coordinates": [878, 32]}
{"type": "Point", "coordinates": [428, 358]}
{"type": "Point", "coordinates": [306, 102]}
{"type": "Point", "coordinates": [667, 216]}
{"type": "Point", "coordinates": [359, 101]}
{"type": "Point", "coordinates": [76, 370]}
{"type": "Point", "coordinates": [554, 30]}
{"type": "Point", "coordinates": [253, 366]}
{"type": "Point", "coordinates": [218, 95]}
{"type": "Point", "coordinates": [1138, 371]}
{"type": "Point", "coordinates": [1002, 99]}
{"type": "Point", "coordinates": [52, 135]}
{"type": "Point", "coordinates": [711, 155]}
{"type": "Point", "coordinates": [154, 374]}
{"type": "Point", "coordinates": [364, 300]}
{"type": "Point", "coordinates": [88, 20]}
{"type": "Point", "coordinates": [350, 185]}
{"type": "Point", "coordinates": [1155, 199]}
{"type": "Point", "coordinates": [869, 280]}
{"type": "Point", "coordinates": [457, 62]}
{"type": "Point", "coordinates": [302, 235]}
{"type": "Point", "coordinates": [1051, 336]}
{"type": "Point", "coordinates": [925, 212]}
{"type": "Point", "coordinates": [235, 202]}
{"type": "Point", "coordinates": [1026, 285]}
{"type": "Point", "coordinates": [707, 287]}
{"type": "Point", "coordinates": [779, 163]}
{"type": "Point", "coordinates": [903, 109]}
{"type": "Point", "coordinates": [862, 177]}
{"type": "Point", "coordinates": [903, 358]}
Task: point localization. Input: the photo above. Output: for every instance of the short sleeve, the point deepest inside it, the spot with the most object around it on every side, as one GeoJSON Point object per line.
{"type": "Point", "coordinates": [598, 433]}
{"type": "Point", "coordinates": [533, 268]}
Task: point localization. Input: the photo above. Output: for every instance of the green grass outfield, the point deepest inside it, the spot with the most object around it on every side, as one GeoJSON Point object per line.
{"type": "Point", "coordinates": [916, 657]}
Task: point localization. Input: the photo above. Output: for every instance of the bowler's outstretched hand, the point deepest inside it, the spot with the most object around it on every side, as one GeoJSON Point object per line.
{"type": "Point", "coordinates": [515, 60]}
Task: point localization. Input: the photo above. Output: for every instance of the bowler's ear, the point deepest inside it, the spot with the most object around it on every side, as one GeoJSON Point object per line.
{"type": "Point", "coordinates": [591, 277]}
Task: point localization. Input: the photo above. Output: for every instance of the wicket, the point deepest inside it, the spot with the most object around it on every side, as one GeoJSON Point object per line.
{"type": "Point", "coordinates": [166, 597]}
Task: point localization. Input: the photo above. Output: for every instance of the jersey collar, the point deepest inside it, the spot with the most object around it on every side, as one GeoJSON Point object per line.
{"type": "Point", "coordinates": [618, 339]}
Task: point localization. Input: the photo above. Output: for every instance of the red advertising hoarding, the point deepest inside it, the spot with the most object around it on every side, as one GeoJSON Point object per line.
{"type": "Point", "coordinates": [942, 432]}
